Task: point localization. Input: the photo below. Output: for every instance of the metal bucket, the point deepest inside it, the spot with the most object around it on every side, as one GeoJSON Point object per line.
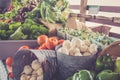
{"type": "Point", "coordinates": [68, 65]}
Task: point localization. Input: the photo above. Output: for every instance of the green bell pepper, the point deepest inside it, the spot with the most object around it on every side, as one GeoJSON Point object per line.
{"type": "Point", "coordinates": [104, 62]}
{"type": "Point", "coordinates": [117, 65]}
{"type": "Point", "coordinates": [83, 75]}
{"type": "Point", "coordinates": [107, 75]}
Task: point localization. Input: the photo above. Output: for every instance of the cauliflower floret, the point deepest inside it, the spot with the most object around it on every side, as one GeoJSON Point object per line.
{"type": "Point", "coordinates": [40, 78]}
{"type": "Point", "coordinates": [93, 48]}
{"type": "Point", "coordinates": [24, 77]}
{"type": "Point", "coordinates": [33, 77]}
{"type": "Point", "coordinates": [83, 48]}
{"type": "Point", "coordinates": [39, 72]}
{"type": "Point", "coordinates": [67, 44]}
{"type": "Point", "coordinates": [78, 54]}
{"type": "Point", "coordinates": [34, 73]}
{"type": "Point", "coordinates": [86, 54]}
{"type": "Point", "coordinates": [87, 42]}
{"type": "Point", "coordinates": [74, 50]}
{"type": "Point", "coordinates": [27, 69]}
{"type": "Point", "coordinates": [36, 64]}
{"type": "Point", "coordinates": [76, 42]}
{"type": "Point", "coordinates": [63, 50]}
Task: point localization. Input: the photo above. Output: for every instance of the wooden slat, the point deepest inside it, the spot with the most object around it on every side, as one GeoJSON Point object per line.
{"type": "Point", "coordinates": [112, 19]}
{"type": "Point", "coordinates": [104, 2]}
{"type": "Point", "coordinates": [103, 18]}
{"type": "Point", "coordinates": [115, 9]}
{"type": "Point", "coordinates": [83, 6]}
{"type": "Point", "coordinates": [114, 35]}
{"type": "Point", "coordinates": [116, 20]}
{"type": "Point", "coordinates": [104, 22]}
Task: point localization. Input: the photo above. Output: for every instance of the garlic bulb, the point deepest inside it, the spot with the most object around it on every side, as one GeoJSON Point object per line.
{"type": "Point", "coordinates": [35, 65]}
{"type": "Point", "coordinates": [27, 69]}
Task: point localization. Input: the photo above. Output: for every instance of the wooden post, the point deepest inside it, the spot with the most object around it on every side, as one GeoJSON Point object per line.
{"type": "Point", "coordinates": [83, 7]}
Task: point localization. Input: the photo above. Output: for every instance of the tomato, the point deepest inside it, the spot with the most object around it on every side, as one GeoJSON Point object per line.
{"type": "Point", "coordinates": [52, 42]}
{"type": "Point", "coordinates": [60, 41]}
{"type": "Point", "coordinates": [43, 46]}
{"type": "Point", "coordinates": [24, 47]}
{"type": "Point", "coordinates": [11, 75]}
{"type": "Point", "coordinates": [42, 39]}
{"type": "Point", "coordinates": [9, 61]}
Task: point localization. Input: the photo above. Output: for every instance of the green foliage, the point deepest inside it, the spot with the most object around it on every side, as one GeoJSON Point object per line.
{"type": "Point", "coordinates": [33, 30]}
{"type": "Point", "coordinates": [18, 35]}
{"type": "Point", "coordinates": [14, 26]}
{"type": "Point", "coordinates": [54, 11]}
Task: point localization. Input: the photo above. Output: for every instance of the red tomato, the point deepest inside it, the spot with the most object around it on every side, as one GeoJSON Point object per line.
{"type": "Point", "coordinates": [11, 75]}
{"type": "Point", "coordinates": [24, 47]}
{"type": "Point", "coordinates": [60, 41]}
{"type": "Point", "coordinates": [9, 61]}
{"type": "Point", "coordinates": [43, 46]}
{"type": "Point", "coordinates": [42, 39]}
{"type": "Point", "coordinates": [52, 42]}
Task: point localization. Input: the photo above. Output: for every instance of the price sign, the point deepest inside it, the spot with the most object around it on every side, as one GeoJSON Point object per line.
{"type": "Point", "coordinates": [93, 9]}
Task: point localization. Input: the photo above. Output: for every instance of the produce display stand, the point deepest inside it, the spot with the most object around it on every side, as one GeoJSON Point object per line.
{"type": "Point", "coordinates": [10, 47]}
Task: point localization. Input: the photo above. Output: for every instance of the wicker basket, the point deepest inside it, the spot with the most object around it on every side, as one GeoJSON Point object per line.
{"type": "Point", "coordinates": [113, 49]}
{"type": "Point", "coordinates": [102, 29]}
{"type": "Point", "coordinates": [25, 57]}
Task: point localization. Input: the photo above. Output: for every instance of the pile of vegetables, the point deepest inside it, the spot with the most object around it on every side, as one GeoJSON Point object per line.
{"type": "Point", "coordinates": [55, 11]}
{"type": "Point", "coordinates": [23, 20]}
{"type": "Point", "coordinates": [18, 31]}
{"type": "Point", "coordinates": [78, 47]}
{"type": "Point", "coordinates": [50, 43]}
{"type": "Point", "coordinates": [100, 39]}
{"type": "Point", "coordinates": [44, 42]}
{"type": "Point", "coordinates": [33, 71]}
{"type": "Point", "coordinates": [104, 69]}
{"type": "Point", "coordinates": [20, 27]}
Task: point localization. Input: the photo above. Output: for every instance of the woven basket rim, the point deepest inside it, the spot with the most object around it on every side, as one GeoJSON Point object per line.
{"type": "Point", "coordinates": [111, 47]}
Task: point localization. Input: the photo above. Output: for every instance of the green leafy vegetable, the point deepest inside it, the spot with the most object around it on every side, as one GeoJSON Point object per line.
{"type": "Point", "coordinates": [18, 35]}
